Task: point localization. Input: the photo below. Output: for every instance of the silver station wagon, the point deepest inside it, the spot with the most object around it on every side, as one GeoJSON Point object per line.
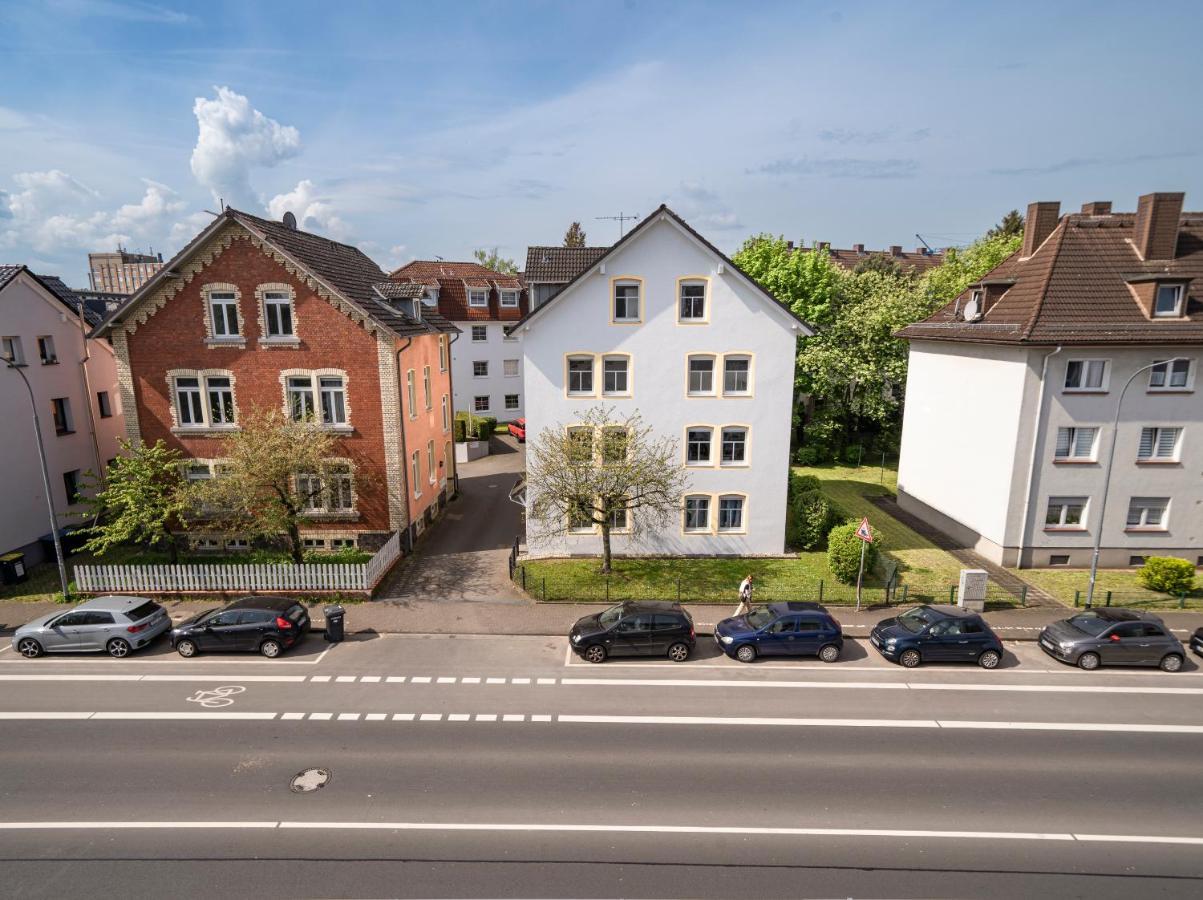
{"type": "Point", "coordinates": [114, 624]}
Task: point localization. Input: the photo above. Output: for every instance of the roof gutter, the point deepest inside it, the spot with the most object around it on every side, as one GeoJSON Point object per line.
{"type": "Point", "coordinates": [1027, 494]}
{"type": "Point", "coordinates": [404, 449]}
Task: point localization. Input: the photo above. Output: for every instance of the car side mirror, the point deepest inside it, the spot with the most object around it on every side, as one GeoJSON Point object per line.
{"type": "Point", "coordinates": [1115, 637]}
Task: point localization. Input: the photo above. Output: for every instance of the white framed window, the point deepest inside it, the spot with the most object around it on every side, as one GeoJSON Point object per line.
{"type": "Point", "coordinates": [692, 301]}
{"type": "Point", "coordinates": [734, 446]}
{"type": "Point", "coordinates": [223, 315]}
{"type": "Point", "coordinates": [1086, 375]}
{"type": "Point", "coordinates": [478, 297]}
{"type": "Point", "coordinates": [509, 299]}
{"type": "Point", "coordinates": [1168, 300]}
{"type": "Point", "coordinates": [580, 444]}
{"type": "Point", "coordinates": [277, 314]}
{"type": "Point", "coordinates": [698, 439]}
{"type": "Point", "coordinates": [697, 513]}
{"type": "Point", "coordinates": [1148, 513]}
{"type": "Point", "coordinates": [1076, 444]}
{"type": "Point", "coordinates": [511, 401]}
{"type": "Point", "coordinates": [10, 349]}
{"type": "Point", "coordinates": [333, 390]}
{"type": "Point", "coordinates": [701, 376]}
{"type": "Point", "coordinates": [1170, 375]}
{"type": "Point", "coordinates": [446, 413]}
{"type": "Point", "coordinates": [340, 487]}
{"type": "Point", "coordinates": [196, 472]}
{"type": "Point", "coordinates": [203, 400]}
{"type": "Point", "coordinates": [299, 393]}
{"type": "Point", "coordinates": [330, 491]}
{"type": "Point", "coordinates": [509, 368]}
{"type": "Point", "coordinates": [480, 334]}
{"type": "Point", "coordinates": [480, 403]}
{"type": "Point", "coordinates": [429, 398]}
{"type": "Point", "coordinates": [618, 519]}
{"type": "Point", "coordinates": [46, 351]}
{"type": "Point", "coordinates": [480, 368]}
{"type": "Point", "coordinates": [411, 393]}
{"type": "Point", "coordinates": [737, 375]}
{"type": "Point", "coordinates": [415, 468]}
{"type": "Point", "coordinates": [730, 513]}
{"type": "Point", "coordinates": [431, 475]}
{"type": "Point", "coordinates": [615, 442]}
{"type": "Point", "coordinates": [580, 375]}
{"type": "Point", "coordinates": [580, 516]}
{"type": "Point", "coordinates": [221, 399]}
{"type": "Point", "coordinates": [626, 301]}
{"type": "Point", "coordinates": [321, 396]}
{"type": "Point", "coordinates": [1066, 512]}
{"type": "Point", "coordinates": [1159, 444]}
{"type": "Point", "coordinates": [309, 491]}
{"type": "Point", "coordinates": [616, 376]}
{"type": "Point", "coordinates": [442, 353]}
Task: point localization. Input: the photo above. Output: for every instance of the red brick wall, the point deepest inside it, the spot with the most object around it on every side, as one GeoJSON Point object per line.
{"type": "Point", "coordinates": [174, 338]}
{"type": "Point", "coordinates": [426, 425]}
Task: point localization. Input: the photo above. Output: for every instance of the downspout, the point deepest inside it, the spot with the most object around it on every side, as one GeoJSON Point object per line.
{"type": "Point", "coordinates": [101, 474]}
{"type": "Point", "coordinates": [404, 449]}
{"type": "Point", "coordinates": [1027, 496]}
{"type": "Point", "coordinates": [451, 339]}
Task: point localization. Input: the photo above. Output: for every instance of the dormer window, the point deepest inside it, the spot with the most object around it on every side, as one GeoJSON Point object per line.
{"type": "Point", "coordinates": [1168, 301]}
{"type": "Point", "coordinates": [478, 298]}
{"type": "Point", "coordinates": [509, 299]}
{"type": "Point", "coordinates": [431, 297]}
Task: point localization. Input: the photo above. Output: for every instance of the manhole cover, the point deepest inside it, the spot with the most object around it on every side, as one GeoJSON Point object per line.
{"type": "Point", "coordinates": [309, 780]}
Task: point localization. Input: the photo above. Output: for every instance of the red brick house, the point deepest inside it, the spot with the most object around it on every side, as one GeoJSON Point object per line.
{"type": "Point", "coordinates": [255, 314]}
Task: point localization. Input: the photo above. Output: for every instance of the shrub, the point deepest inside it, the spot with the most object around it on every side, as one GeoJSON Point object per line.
{"type": "Point", "coordinates": [843, 552]}
{"type": "Point", "coordinates": [809, 514]}
{"type": "Point", "coordinates": [807, 456]}
{"type": "Point", "coordinates": [459, 429]}
{"type": "Point", "coordinates": [801, 483]}
{"type": "Point", "coordinates": [1168, 574]}
{"type": "Point", "coordinates": [482, 427]}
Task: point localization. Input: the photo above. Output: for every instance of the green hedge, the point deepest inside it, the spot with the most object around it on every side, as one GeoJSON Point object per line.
{"type": "Point", "coordinates": [810, 515]}
{"type": "Point", "coordinates": [1168, 574]}
{"type": "Point", "coordinates": [484, 426]}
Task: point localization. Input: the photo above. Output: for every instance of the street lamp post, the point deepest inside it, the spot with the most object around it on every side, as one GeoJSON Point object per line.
{"type": "Point", "coordinates": [1098, 529]}
{"type": "Point", "coordinates": [37, 431]}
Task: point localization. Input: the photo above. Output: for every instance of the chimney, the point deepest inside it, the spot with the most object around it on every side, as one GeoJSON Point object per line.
{"type": "Point", "coordinates": [1097, 208]}
{"type": "Point", "coordinates": [825, 245]}
{"type": "Point", "coordinates": [1157, 225]}
{"type": "Point", "coordinates": [789, 245]}
{"type": "Point", "coordinates": [921, 251]}
{"type": "Point", "coordinates": [1042, 218]}
{"type": "Point", "coordinates": [895, 250]}
{"type": "Point", "coordinates": [858, 248]}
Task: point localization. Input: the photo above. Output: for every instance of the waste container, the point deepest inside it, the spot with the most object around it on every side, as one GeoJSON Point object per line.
{"type": "Point", "coordinates": [12, 568]}
{"type": "Point", "coordinates": [334, 623]}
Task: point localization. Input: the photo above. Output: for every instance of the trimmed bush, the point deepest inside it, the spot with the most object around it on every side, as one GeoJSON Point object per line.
{"type": "Point", "coordinates": [1168, 574]}
{"type": "Point", "coordinates": [800, 483]}
{"type": "Point", "coordinates": [810, 515]}
{"type": "Point", "coordinates": [807, 456]}
{"type": "Point", "coordinates": [484, 426]}
{"type": "Point", "coordinates": [843, 552]}
{"type": "Point", "coordinates": [459, 428]}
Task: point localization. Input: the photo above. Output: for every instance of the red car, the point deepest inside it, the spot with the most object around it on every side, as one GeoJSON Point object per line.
{"type": "Point", "coordinates": [518, 429]}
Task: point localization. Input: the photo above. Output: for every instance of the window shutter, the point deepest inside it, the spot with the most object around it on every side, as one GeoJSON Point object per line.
{"type": "Point", "coordinates": [1064, 439]}
{"type": "Point", "coordinates": [1083, 442]}
{"type": "Point", "coordinates": [1147, 437]}
{"type": "Point", "coordinates": [1166, 439]}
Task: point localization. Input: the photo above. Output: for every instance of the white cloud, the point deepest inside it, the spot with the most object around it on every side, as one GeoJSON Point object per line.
{"type": "Point", "coordinates": [234, 138]}
{"type": "Point", "coordinates": [702, 208]}
{"type": "Point", "coordinates": [157, 204]}
{"type": "Point", "coordinates": [313, 212]}
{"type": "Point", "coordinates": [187, 228]}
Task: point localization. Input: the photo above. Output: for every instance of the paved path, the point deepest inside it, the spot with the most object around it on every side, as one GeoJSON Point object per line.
{"type": "Point", "coordinates": [465, 557]}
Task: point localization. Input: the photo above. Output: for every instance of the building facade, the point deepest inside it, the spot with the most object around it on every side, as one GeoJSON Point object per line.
{"type": "Point", "coordinates": [74, 384]}
{"type": "Point", "coordinates": [664, 325]}
{"type": "Point", "coordinates": [257, 315]}
{"type": "Point", "coordinates": [549, 269]}
{"type": "Point", "coordinates": [1014, 388]}
{"type": "Point", "coordinates": [122, 272]}
{"type": "Point", "coordinates": [486, 362]}
{"type": "Point", "coordinates": [917, 261]}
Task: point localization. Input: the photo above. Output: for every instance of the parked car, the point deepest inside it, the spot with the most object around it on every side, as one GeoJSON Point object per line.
{"type": "Point", "coordinates": [1196, 641]}
{"type": "Point", "coordinates": [635, 628]}
{"type": "Point", "coordinates": [781, 629]}
{"type": "Point", "coordinates": [937, 634]}
{"type": "Point", "coordinates": [1113, 637]}
{"type": "Point", "coordinates": [518, 429]}
{"type": "Point", "coordinates": [267, 625]}
{"type": "Point", "coordinates": [116, 624]}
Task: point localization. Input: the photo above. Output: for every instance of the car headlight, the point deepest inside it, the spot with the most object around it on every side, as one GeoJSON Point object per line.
{"type": "Point", "coordinates": [1066, 646]}
{"type": "Point", "coordinates": [890, 642]}
{"type": "Point", "coordinates": [576, 639]}
{"type": "Point", "coordinates": [726, 638]}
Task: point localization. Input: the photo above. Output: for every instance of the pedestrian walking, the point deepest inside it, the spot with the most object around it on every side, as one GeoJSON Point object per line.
{"type": "Point", "coordinates": [745, 597]}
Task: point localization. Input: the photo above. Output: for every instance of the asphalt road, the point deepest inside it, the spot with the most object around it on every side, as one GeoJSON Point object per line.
{"type": "Point", "coordinates": [504, 767]}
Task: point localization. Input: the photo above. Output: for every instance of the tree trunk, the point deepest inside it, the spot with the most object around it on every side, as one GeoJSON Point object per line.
{"type": "Point", "coordinates": [173, 548]}
{"type": "Point", "coordinates": [294, 541]}
{"type": "Point", "coordinates": [605, 566]}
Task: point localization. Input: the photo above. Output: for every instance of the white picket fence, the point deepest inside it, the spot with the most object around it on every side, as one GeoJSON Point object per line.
{"type": "Point", "coordinates": [202, 578]}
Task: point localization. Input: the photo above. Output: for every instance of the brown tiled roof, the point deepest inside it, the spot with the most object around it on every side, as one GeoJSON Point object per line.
{"type": "Point", "coordinates": [453, 280]}
{"type": "Point", "coordinates": [918, 261]}
{"type": "Point", "coordinates": [559, 265]}
{"type": "Point", "coordinates": [1077, 288]}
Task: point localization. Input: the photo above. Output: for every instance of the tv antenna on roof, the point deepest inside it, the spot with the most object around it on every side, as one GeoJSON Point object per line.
{"type": "Point", "coordinates": [621, 219]}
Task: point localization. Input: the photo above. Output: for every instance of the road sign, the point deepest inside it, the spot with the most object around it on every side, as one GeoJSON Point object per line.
{"type": "Point", "coordinates": [863, 531]}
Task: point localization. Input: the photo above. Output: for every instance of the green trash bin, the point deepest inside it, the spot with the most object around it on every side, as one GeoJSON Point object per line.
{"type": "Point", "coordinates": [12, 568]}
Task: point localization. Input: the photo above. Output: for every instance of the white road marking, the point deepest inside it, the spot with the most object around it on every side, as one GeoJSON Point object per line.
{"type": "Point", "coordinates": [446, 680]}
{"type": "Point", "coordinates": [182, 716]}
{"type": "Point", "coordinates": [486, 717]}
{"type": "Point", "coordinates": [540, 718]}
{"type": "Point", "coordinates": [370, 679]}
{"type": "Point", "coordinates": [420, 679]}
{"type": "Point", "coordinates": [1117, 728]}
{"type": "Point", "coordinates": [319, 678]}
{"type": "Point", "coordinates": [403, 717]}
{"type": "Point", "coordinates": [292, 717]}
{"type": "Point", "coordinates": [321, 717]}
{"type": "Point", "coordinates": [513, 718]}
{"type": "Point", "coordinates": [344, 679]}
{"type": "Point", "coordinates": [395, 679]}
{"type": "Point", "coordinates": [494, 681]}
{"type": "Point", "coordinates": [45, 715]}
{"type": "Point", "coordinates": [431, 717]}
{"type": "Point", "coordinates": [279, 679]}
{"type": "Point", "coordinates": [348, 717]}
{"type": "Point", "coordinates": [877, 685]}
{"type": "Point", "coordinates": [469, 681]}
{"type": "Point", "coordinates": [459, 717]}
{"type": "Point", "coordinates": [375, 717]}
{"type": "Point", "coordinates": [519, 681]}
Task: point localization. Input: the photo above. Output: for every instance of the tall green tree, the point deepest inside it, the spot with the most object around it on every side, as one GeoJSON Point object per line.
{"type": "Point", "coordinates": [805, 281]}
{"type": "Point", "coordinates": [574, 236]}
{"type": "Point", "coordinates": [1011, 225]}
{"type": "Point", "coordinates": [962, 268]}
{"type": "Point", "coordinates": [491, 260]}
{"type": "Point", "coordinates": [144, 499]}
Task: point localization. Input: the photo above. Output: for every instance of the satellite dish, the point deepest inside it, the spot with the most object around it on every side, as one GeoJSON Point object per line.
{"type": "Point", "coordinates": [972, 310]}
{"type": "Point", "coordinates": [290, 221]}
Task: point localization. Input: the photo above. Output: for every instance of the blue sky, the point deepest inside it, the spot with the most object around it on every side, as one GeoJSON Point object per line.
{"type": "Point", "coordinates": [422, 129]}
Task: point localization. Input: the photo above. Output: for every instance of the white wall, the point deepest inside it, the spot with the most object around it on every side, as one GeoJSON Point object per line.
{"type": "Point", "coordinates": [28, 311]}
{"type": "Point", "coordinates": [494, 351]}
{"type": "Point", "coordinates": [741, 320]}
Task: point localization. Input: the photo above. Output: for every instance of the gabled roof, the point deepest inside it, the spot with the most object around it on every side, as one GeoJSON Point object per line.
{"type": "Point", "coordinates": [918, 262]}
{"type": "Point", "coordinates": [454, 279]}
{"type": "Point", "coordinates": [559, 265]}
{"type": "Point", "coordinates": [342, 269]}
{"type": "Point", "coordinates": [8, 273]}
{"type": "Point", "coordinates": [633, 235]}
{"type": "Point", "coordinates": [54, 286]}
{"type": "Point", "coordinates": [1074, 289]}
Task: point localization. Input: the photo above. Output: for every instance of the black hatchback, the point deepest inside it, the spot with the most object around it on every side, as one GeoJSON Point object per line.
{"type": "Point", "coordinates": [937, 634]}
{"type": "Point", "coordinates": [635, 628]}
{"type": "Point", "coordinates": [266, 625]}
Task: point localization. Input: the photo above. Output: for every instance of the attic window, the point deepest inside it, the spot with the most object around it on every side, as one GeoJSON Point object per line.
{"type": "Point", "coordinates": [1168, 301]}
{"type": "Point", "coordinates": [478, 297]}
{"type": "Point", "coordinates": [509, 298]}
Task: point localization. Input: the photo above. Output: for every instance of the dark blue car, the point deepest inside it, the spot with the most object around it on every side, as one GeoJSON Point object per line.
{"type": "Point", "coordinates": [937, 634]}
{"type": "Point", "coordinates": [781, 629]}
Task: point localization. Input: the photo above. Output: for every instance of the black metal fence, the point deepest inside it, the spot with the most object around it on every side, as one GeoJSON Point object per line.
{"type": "Point", "coordinates": [1192, 600]}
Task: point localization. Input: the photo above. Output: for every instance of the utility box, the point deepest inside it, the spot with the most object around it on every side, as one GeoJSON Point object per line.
{"type": "Point", "coordinates": [12, 568]}
{"type": "Point", "coordinates": [971, 591]}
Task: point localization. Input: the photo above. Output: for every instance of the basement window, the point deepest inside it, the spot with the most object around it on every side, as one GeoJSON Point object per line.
{"type": "Point", "coordinates": [1059, 560]}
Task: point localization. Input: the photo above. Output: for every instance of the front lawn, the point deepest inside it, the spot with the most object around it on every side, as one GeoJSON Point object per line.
{"type": "Point", "coordinates": [1124, 585]}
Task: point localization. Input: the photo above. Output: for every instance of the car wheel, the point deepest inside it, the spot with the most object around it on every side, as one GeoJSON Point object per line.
{"type": "Point", "coordinates": [186, 648]}
{"type": "Point", "coordinates": [29, 648]}
{"type": "Point", "coordinates": [118, 648]}
{"type": "Point", "coordinates": [270, 648]}
{"type": "Point", "coordinates": [910, 658]}
{"type": "Point", "coordinates": [746, 653]}
{"type": "Point", "coordinates": [989, 659]}
{"type": "Point", "coordinates": [1171, 662]}
{"type": "Point", "coordinates": [678, 652]}
{"type": "Point", "coordinates": [1088, 661]}
{"type": "Point", "coordinates": [595, 653]}
{"type": "Point", "coordinates": [829, 653]}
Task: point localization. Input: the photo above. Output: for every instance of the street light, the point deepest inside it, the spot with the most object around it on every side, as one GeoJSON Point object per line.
{"type": "Point", "coordinates": [37, 430]}
{"type": "Point", "coordinates": [1098, 530]}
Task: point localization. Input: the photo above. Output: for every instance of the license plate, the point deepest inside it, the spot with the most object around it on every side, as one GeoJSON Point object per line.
{"type": "Point", "coordinates": [875, 641]}
{"type": "Point", "coordinates": [1048, 644]}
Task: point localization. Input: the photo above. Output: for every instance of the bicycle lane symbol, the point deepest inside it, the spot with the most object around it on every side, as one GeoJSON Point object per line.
{"type": "Point", "coordinates": [217, 697]}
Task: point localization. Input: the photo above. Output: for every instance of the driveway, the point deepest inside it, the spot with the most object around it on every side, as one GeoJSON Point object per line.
{"type": "Point", "coordinates": [465, 557]}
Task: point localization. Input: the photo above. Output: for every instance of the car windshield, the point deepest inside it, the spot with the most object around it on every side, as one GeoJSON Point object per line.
{"type": "Point", "coordinates": [760, 617]}
{"type": "Point", "coordinates": [145, 610]}
{"type": "Point", "coordinates": [610, 616]}
{"type": "Point", "coordinates": [915, 620]}
{"type": "Point", "coordinates": [1090, 624]}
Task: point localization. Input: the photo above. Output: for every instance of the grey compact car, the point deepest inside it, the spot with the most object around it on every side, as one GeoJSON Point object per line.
{"type": "Point", "coordinates": [114, 624]}
{"type": "Point", "coordinates": [1113, 637]}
